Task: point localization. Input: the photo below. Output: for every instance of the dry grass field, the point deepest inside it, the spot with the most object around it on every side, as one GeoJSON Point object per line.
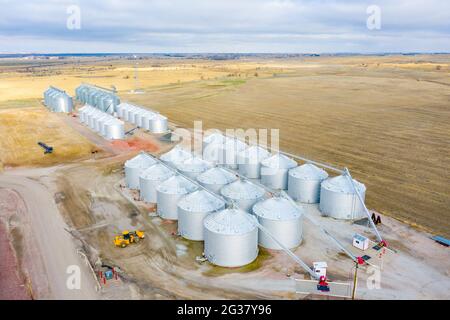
{"type": "Point", "coordinates": [386, 118]}
{"type": "Point", "coordinates": [22, 128]}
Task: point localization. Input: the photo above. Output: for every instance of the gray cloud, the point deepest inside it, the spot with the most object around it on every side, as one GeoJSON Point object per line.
{"type": "Point", "coordinates": [224, 26]}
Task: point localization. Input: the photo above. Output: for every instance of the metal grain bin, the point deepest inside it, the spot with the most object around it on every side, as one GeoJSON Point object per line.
{"type": "Point", "coordinates": [244, 193]}
{"type": "Point", "coordinates": [158, 124]}
{"type": "Point", "coordinates": [274, 171]}
{"type": "Point", "coordinates": [151, 178]}
{"type": "Point", "coordinates": [338, 199]}
{"type": "Point", "coordinates": [175, 156]}
{"type": "Point", "coordinates": [114, 129]}
{"type": "Point", "coordinates": [215, 179]}
{"type": "Point", "coordinates": [134, 168]}
{"type": "Point", "coordinates": [231, 238]}
{"type": "Point", "coordinates": [249, 161]}
{"type": "Point", "coordinates": [192, 209]}
{"type": "Point", "coordinates": [194, 166]}
{"type": "Point", "coordinates": [304, 183]}
{"type": "Point", "coordinates": [213, 138]}
{"type": "Point", "coordinates": [282, 219]}
{"type": "Point", "coordinates": [224, 153]}
{"type": "Point", "coordinates": [169, 193]}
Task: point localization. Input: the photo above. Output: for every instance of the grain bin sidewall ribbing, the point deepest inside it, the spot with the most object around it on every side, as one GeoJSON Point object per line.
{"type": "Point", "coordinates": [344, 206]}
{"type": "Point", "coordinates": [303, 190]}
{"type": "Point", "coordinates": [231, 250]}
{"type": "Point", "coordinates": [132, 177]}
{"type": "Point", "coordinates": [190, 224]}
{"type": "Point", "coordinates": [148, 188]}
{"type": "Point", "coordinates": [274, 178]}
{"type": "Point", "coordinates": [167, 205]}
{"type": "Point", "coordinates": [288, 232]}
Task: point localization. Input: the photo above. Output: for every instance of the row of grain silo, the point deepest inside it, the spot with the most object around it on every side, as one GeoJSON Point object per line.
{"type": "Point", "coordinates": [57, 100]}
{"type": "Point", "coordinates": [142, 118]}
{"type": "Point", "coordinates": [306, 183]}
{"type": "Point", "coordinates": [103, 123]}
{"type": "Point", "coordinates": [103, 99]}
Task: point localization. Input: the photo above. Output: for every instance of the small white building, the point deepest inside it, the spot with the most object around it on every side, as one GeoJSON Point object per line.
{"type": "Point", "coordinates": [360, 242]}
{"type": "Point", "coordinates": [320, 268]}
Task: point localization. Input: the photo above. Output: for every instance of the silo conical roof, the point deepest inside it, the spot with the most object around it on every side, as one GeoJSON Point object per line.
{"type": "Point", "coordinates": [254, 153]}
{"type": "Point", "coordinates": [277, 209]}
{"type": "Point", "coordinates": [177, 185]}
{"type": "Point", "coordinates": [194, 164]}
{"type": "Point", "coordinates": [308, 171]}
{"type": "Point", "coordinates": [343, 185]}
{"type": "Point", "coordinates": [279, 161]}
{"type": "Point", "coordinates": [142, 160]}
{"type": "Point", "coordinates": [176, 155]}
{"type": "Point", "coordinates": [201, 201]}
{"type": "Point", "coordinates": [242, 189]}
{"type": "Point", "coordinates": [217, 176]}
{"type": "Point", "coordinates": [214, 138]}
{"type": "Point", "coordinates": [230, 222]}
{"type": "Point", "coordinates": [157, 172]}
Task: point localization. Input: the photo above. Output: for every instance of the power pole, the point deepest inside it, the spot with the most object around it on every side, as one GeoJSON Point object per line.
{"type": "Point", "coordinates": [355, 281]}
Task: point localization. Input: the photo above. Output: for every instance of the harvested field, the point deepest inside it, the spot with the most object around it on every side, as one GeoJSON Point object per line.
{"type": "Point", "coordinates": [21, 129]}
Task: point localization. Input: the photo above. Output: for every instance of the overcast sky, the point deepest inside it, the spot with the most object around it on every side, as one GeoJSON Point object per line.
{"type": "Point", "coordinates": [307, 26]}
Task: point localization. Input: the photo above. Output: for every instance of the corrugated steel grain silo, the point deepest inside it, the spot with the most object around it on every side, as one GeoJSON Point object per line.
{"type": "Point", "coordinates": [175, 156]}
{"type": "Point", "coordinates": [194, 166]}
{"type": "Point", "coordinates": [192, 210]}
{"type": "Point", "coordinates": [151, 178]}
{"type": "Point", "coordinates": [282, 219]}
{"type": "Point", "coordinates": [158, 124]}
{"type": "Point", "coordinates": [216, 178]}
{"type": "Point", "coordinates": [249, 161]}
{"type": "Point", "coordinates": [338, 199]}
{"type": "Point", "coordinates": [114, 129]}
{"type": "Point", "coordinates": [134, 168]}
{"type": "Point", "coordinates": [244, 193]}
{"type": "Point", "coordinates": [231, 238]}
{"type": "Point", "coordinates": [304, 183]}
{"type": "Point", "coordinates": [169, 193]}
{"type": "Point", "coordinates": [274, 171]}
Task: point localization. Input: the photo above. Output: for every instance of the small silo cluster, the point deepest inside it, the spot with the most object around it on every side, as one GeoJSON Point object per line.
{"type": "Point", "coordinates": [143, 118]}
{"type": "Point", "coordinates": [151, 178]}
{"type": "Point", "coordinates": [249, 161]}
{"type": "Point", "coordinates": [175, 156]}
{"type": "Point", "coordinates": [135, 167]}
{"type": "Point", "coordinates": [282, 219]}
{"type": "Point", "coordinates": [103, 99]}
{"type": "Point", "coordinates": [339, 200]}
{"type": "Point", "coordinates": [304, 183]}
{"type": "Point", "coordinates": [102, 123]}
{"type": "Point", "coordinates": [216, 178]}
{"type": "Point", "coordinates": [193, 167]}
{"type": "Point", "coordinates": [57, 100]}
{"type": "Point", "coordinates": [169, 193]}
{"type": "Point", "coordinates": [192, 210]}
{"type": "Point", "coordinates": [222, 150]}
{"type": "Point", "coordinates": [274, 171]}
{"type": "Point", "coordinates": [231, 238]}
{"type": "Point", "coordinates": [243, 193]}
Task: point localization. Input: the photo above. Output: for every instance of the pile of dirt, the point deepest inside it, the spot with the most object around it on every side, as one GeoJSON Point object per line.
{"type": "Point", "coordinates": [135, 144]}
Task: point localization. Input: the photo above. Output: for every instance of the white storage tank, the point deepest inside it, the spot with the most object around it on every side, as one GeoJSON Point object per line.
{"type": "Point", "coordinates": [169, 193]}
{"type": "Point", "coordinates": [134, 168]}
{"type": "Point", "coordinates": [216, 178]}
{"type": "Point", "coordinates": [224, 153]}
{"type": "Point", "coordinates": [175, 156]}
{"type": "Point", "coordinates": [338, 199]}
{"type": "Point", "coordinates": [82, 112]}
{"type": "Point", "coordinates": [249, 161]}
{"type": "Point", "coordinates": [192, 210]}
{"type": "Point", "coordinates": [282, 219]}
{"type": "Point", "coordinates": [274, 171]}
{"type": "Point", "coordinates": [194, 166]}
{"type": "Point", "coordinates": [158, 124]}
{"type": "Point", "coordinates": [151, 178]}
{"type": "Point", "coordinates": [213, 138]}
{"type": "Point", "coordinates": [244, 193]}
{"type": "Point", "coordinates": [304, 183]}
{"type": "Point", "coordinates": [114, 129]}
{"type": "Point", "coordinates": [231, 238]}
